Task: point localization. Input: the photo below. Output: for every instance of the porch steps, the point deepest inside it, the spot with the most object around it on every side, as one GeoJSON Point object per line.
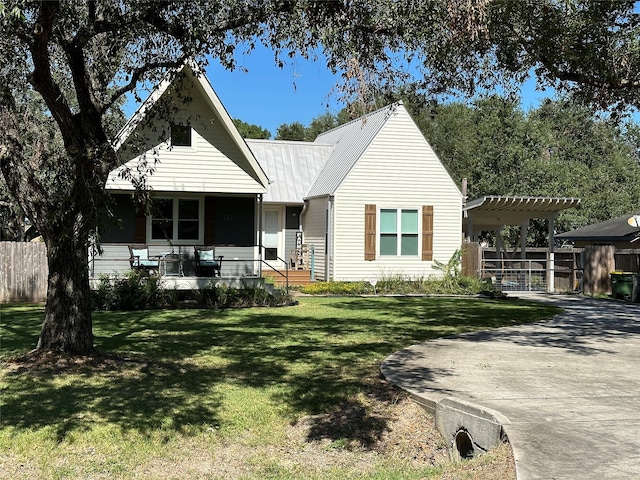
{"type": "Point", "coordinates": [297, 278]}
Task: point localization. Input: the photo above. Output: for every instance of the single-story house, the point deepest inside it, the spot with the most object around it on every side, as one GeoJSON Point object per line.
{"type": "Point", "coordinates": [617, 232]}
{"type": "Point", "coordinates": [366, 200]}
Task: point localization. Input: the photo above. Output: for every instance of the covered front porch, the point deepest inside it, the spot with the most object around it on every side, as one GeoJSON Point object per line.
{"type": "Point", "coordinates": [240, 266]}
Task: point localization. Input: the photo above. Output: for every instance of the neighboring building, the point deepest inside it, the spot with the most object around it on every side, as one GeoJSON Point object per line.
{"type": "Point", "coordinates": [369, 198]}
{"type": "Point", "coordinates": [616, 232]}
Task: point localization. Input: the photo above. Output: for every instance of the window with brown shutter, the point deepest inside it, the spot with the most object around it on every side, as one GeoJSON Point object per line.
{"type": "Point", "coordinates": [427, 232]}
{"type": "Point", "coordinates": [369, 232]}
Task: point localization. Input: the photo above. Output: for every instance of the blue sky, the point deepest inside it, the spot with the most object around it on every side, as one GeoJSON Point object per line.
{"type": "Point", "coordinates": [269, 96]}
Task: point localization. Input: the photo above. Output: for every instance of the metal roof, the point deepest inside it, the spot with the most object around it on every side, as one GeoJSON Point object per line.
{"type": "Point", "coordinates": [493, 211]}
{"type": "Point", "coordinates": [616, 229]}
{"type": "Point", "coordinates": [350, 140]}
{"type": "Point", "coordinates": [292, 167]}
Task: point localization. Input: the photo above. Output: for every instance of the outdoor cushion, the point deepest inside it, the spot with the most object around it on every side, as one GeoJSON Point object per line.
{"type": "Point", "coordinates": [140, 253]}
{"type": "Point", "coordinates": [148, 263]}
{"type": "Point", "coordinates": [209, 263]}
{"type": "Point", "coordinates": [205, 255]}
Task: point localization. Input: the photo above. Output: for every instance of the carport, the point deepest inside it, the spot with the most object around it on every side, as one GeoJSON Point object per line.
{"type": "Point", "coordinates": [492, 214]}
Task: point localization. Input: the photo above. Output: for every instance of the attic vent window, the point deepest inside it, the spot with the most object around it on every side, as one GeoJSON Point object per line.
{"type": "Point", "coordinates": [180, 135]}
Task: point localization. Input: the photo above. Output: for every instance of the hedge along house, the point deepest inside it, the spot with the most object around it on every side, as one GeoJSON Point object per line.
{"type": "Point", "coordinates": [369, 198]}
{"type": "Point", "coordinates": [205, 183]}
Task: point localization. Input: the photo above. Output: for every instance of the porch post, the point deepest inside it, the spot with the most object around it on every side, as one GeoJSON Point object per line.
{"type": "Point", "coordinates": [499, 246]}
{"type": "Point", "coordinates": [523, 240]}
{"type": "Point", "coordinates": [551, 262]}
{"type": "Point", "coordinates": [260, 214]}
{"type": "Point", "coordinates": [471, 237]}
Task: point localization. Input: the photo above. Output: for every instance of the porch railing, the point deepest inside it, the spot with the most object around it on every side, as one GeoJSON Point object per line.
{"type": "Point", "coordinates": [276, 270]}
{"type": "Point", "coordinates": [178, 261]}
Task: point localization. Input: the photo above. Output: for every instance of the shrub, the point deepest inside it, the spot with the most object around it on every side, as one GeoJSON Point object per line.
{"type": "Point", "coordinates": [398, 285]}
{"type": "Point", "coordinates": [137, 291]}
{"type": "Point", "coordinates": [449, 282]}
{"type": "Point", "coordinates": [134, 291]}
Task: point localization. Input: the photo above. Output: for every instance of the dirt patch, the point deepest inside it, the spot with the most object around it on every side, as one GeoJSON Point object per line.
{"type": "Point", "coordinates": [389, 424]}
{"type": "Point", "coordinates": [48, 363]}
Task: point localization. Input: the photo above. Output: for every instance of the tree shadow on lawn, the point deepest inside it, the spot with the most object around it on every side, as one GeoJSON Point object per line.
{"type": "Point", "coordinates": [133, 394]}
{"type": "Point", "coordinates": [172, 361]}
{"type": "Point", "coordinates": [585, 327]}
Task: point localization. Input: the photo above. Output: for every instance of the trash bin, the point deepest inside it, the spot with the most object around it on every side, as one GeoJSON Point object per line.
{"type": "Point", "coordinates": [622, 284]}
{"type": "Point", "coordinates": [635, 292]}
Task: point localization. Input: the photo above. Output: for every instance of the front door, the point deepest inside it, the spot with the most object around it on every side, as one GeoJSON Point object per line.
{"type": "Point", "coordinates": [271, 238]}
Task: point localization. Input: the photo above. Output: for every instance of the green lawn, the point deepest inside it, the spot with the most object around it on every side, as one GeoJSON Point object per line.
{"type": "Point", "coordinates": [214, 394]}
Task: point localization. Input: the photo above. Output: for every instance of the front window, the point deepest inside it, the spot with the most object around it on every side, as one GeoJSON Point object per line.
{"type": "Point", "coordinates": [180, 135]}
{"type": "Point", "coordinates": [188, 219]}
{"type": "Point", "coordinates": [398, 232]}
{"type": "Point", "coordinates": [175, 219]}
{"type": "Point", "coordinates": [162, 219]}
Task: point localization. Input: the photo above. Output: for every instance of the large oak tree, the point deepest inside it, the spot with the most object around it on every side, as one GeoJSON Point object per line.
{"type": "Point", "coordinates": [74, 61]}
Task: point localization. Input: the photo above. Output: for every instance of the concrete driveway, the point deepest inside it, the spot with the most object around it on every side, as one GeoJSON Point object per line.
{"type": "Point", "coordinates": [566, 391]}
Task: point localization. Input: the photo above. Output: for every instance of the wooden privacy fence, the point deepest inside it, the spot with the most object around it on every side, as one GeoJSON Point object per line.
{"type": "Point", "coordinates": [23, 272]}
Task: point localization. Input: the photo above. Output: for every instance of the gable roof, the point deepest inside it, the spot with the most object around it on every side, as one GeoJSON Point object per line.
{"type": "Point", "coordinates": [350, 140]}
{"type": "Point", "coordinates": [292, 167]}
{"type": "Point", "coordinates": [194, 72]}
{"type": "Point", "coordinates": [616, 229]}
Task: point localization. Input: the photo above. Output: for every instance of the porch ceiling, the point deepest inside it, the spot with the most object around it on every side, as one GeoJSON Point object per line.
{"type": "Point", "coordinates": [491, 212]}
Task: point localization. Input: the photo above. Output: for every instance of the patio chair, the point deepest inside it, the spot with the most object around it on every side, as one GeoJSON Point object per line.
{"type": "Point", "coordinates": [207, 263]}
{"type": "Point", "coordinates": [140, 260]}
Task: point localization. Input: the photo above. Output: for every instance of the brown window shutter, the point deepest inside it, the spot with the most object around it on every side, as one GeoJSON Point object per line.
{"type": "Point", "coordinates": [369, 232]}
{"type": "Point", "coordinates": [209, 222]}
{"type": "Point", "coordinates": [140, 228]}
{"type": "Point", "coordinates": [427, 232]}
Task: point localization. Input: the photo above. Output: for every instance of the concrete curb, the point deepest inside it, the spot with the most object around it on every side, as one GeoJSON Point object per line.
{"type": "Point", "coordinates": [468, 428]}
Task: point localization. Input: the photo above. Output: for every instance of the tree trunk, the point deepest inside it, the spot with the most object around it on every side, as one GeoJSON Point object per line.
{"type": "Point", "coordinates": [67, 325]}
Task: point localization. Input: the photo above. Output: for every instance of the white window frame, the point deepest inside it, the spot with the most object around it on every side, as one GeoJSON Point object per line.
{"type": "Point", "coordinates": [189, 128]}
{"type": "Point", "coordinates": [175, 219]}
{"type": "Point", "coordinates": [398, 232]}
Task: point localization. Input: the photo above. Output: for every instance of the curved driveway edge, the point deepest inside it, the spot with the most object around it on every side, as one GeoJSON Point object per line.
{"type": "Point", "coordinates": [566, 391]}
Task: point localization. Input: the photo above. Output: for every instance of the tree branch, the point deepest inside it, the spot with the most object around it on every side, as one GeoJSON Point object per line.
{"type": "Point", "coordinates": [136, 75]}
{"type": "Point", "coordinates": [586, 79]}
{"type": "Point", "coordinates": [42, 78]}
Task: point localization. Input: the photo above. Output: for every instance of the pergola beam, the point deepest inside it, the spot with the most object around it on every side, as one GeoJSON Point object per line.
{"type": "Point", "coordinates": [492, 213]}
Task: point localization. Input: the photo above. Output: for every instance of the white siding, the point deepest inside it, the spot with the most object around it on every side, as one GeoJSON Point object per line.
{"type": "Point", "coordinates": [213, 164]}
{"type": "Point", "coordinates": [314, 227]}
{"type": "Point", "coordinates": [398, 170]}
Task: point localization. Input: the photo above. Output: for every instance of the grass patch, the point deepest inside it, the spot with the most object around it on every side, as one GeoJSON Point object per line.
{"type": "Point", "coordinates": [287, 392]}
